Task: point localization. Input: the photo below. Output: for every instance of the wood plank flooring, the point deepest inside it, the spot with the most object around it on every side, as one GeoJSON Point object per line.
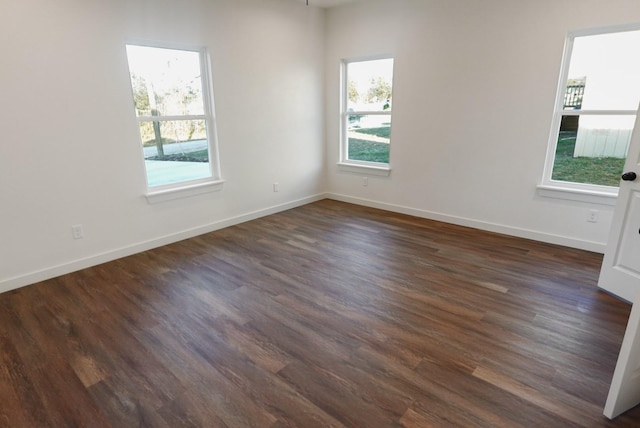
{"type": "Point", "coordinates": [328, 315]}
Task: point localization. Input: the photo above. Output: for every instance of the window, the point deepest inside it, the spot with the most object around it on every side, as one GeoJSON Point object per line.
{"type": "Point", "coordinates": [366, 112]}
{"type": "Point", "coordinates": [595, 111]}
{"type": "Point", "coordinates": [175, 115]}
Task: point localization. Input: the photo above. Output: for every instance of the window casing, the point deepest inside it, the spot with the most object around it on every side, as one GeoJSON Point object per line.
{"type": "Point", "coordinates": [366, 114]}
{"type": "Point", "coordinates": [594, 115]}
{"type": "Point", "coordinates": [174, 109]}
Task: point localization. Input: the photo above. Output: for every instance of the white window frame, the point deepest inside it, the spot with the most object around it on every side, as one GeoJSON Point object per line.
{"type": "Point", "coordinates": [591, 193]}
{"type": "Point", "coordinates": [349, 165]}
{"type": "Point", "coordinates": [213, 182]}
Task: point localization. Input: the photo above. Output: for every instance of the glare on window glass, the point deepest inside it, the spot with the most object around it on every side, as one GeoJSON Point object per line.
{"type": "Point", "coordinates": [370, 84]}
{"type": "Point", "coordinates": [165, 80]}
{"type": "Point", "coordinates": [610, 67]}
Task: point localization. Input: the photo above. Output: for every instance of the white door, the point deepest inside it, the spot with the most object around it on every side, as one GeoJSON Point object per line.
{"type": "Point", "coordinates": [620, 275]}
{"type": "Point", "coordinates": [624, 392]}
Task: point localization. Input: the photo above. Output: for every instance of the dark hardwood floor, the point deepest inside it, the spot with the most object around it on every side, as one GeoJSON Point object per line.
{"type": "Point", "coordinates": [325, 315]}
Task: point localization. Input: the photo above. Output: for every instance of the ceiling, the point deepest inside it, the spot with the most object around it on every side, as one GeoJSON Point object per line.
{"type": "Point", "coordinates": [326, 3]}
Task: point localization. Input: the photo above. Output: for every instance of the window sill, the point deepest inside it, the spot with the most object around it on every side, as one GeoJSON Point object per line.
{"type": "Point", "coordinates": [580, 195]}
{"type": "Point", "coordinates": [188, 190]}
{"type": "Point", "coordinates": [383, 171]}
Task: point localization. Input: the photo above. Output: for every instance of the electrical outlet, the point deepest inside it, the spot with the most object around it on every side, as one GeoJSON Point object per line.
{"type": "Point", "coordinates": [77, 231]}
{"type": "Point", "coordinates": [365, 181]}
{"type": "Point", "coordinates": [276, 187]}
{"type": "Point", "coordinates": [592, 217]}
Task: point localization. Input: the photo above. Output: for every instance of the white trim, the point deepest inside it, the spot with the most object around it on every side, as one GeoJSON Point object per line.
{"type": "Point", "coordinates": [107, 256]}
{"type": "Point", "coordinates": [173, 118]}
{"type": "Point", "coordinates": [163, 44]}
{"type": "Point", "coordinates": [363, 58]}
{"type": "Point", "coordinates": [368, 113]}
{"type": "Point", "coordinates": [630, 26]}
{"type": "Point", "coordinates": [597, 112]}
{"type": "Point", "coordinates": [579, 195]}
{"type": "Point", "coordinates": [576, 191]}
{"type": "Point", "coordinates": [566, 241]}
{"type": "Point", "coordinates": [183, 188]}
{"type": "Point", "coordinates": [344, 161]}
{"type": "Point", "coordinates": [184, 191]}
{"type": "Point", "coordinates": [362, 168]}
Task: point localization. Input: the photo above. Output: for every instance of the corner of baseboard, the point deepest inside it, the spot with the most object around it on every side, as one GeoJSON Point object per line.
{"type": "Point", "coordinates": [564, 241]}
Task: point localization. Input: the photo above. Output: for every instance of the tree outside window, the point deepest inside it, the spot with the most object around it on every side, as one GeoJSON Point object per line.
{"type": "Point", "coordinates": [174, 112]}
{"type": "Point", "coordinates": [367, 111]}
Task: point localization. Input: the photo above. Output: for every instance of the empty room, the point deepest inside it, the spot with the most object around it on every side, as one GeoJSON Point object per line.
{"type": "Point", "coordinates": [323, 213]}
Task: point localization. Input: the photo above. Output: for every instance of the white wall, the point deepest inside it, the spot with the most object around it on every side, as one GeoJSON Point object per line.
{"type": "Point", "coordinates": [70, 152]}
{"type": "Point", "coordinates": [474, 92]}
{"type": "Point", "coordinates": [474, 89]}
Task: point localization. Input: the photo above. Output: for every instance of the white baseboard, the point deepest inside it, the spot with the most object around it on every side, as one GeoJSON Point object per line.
{"type": "Point", "coordinates": [595, 247]}
{"type": "Point", "coordinates": [107, 256]}
{"type": "Point", "coordinates": [96, 259]}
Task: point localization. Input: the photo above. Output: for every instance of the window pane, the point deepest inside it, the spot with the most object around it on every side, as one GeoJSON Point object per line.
{"type": "Point", "coordinates": [175, 151]}
{"type": "Point", "coordinates": [166, 82]}
{"type": "Point", "coordinates": [369, 137]}
{"type": "Point", "coordinates": [604, 71]}
{"type": "Point", "coordinates": [592, 149]}
{"type": "Point", "coordinates": [369, 85]}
